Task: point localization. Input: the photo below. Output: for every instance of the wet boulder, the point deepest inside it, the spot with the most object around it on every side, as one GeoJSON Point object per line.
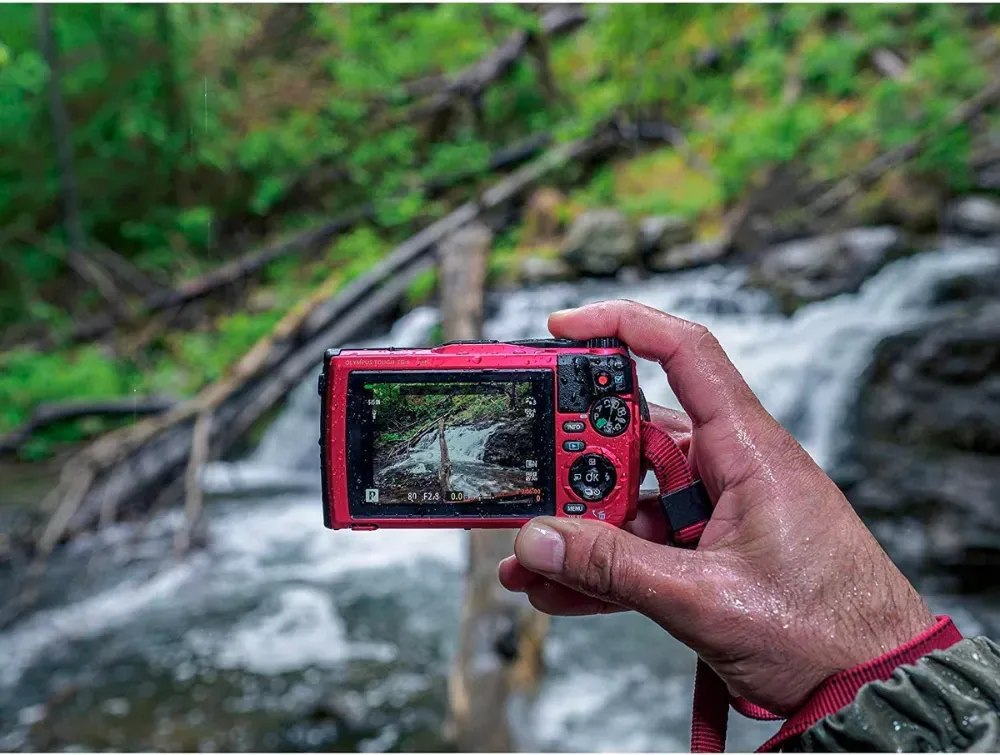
{"type": "Point", "coordinates": [510, 445]}
{"type": "Point", "coordinates": [975, 216]}
{"type": "Point", "coordinates": [600, 242]}
{"type": "Point", "coordinates": [684, 256]}
{"type": "Point", "coordinates": [817, 268]}
{"type": "Point", "coordinates": [911, 202]}
{"type": "Point", "coordinates": [928, 444]}
{"type": "Point", "coordinates": [537, 268]}
{"type": "Point", "coordinates": [660, 232]}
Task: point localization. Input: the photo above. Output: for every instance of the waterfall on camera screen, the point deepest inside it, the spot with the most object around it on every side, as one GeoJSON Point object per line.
{"type": "Point", "coordinates": [281, 618]}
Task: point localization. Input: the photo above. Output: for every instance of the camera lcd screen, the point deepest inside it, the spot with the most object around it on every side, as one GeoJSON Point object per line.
{"type": "Point", "coordinates": [450, 443]}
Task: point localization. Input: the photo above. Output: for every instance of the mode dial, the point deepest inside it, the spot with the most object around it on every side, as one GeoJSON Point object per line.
{"type": "Point", "coordinates": [610, 416]}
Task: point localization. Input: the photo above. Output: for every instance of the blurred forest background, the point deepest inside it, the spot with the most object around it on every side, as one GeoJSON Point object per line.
{"type": "Point", "coordinates": [142, 147]}
{"type": "Point", "coordinates": [197, 200]}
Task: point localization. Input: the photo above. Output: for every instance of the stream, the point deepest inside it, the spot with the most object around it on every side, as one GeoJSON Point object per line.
{"type": "Point", "coordinates": [282, 635]}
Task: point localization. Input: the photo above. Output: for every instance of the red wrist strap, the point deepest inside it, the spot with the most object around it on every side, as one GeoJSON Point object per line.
{"type": "Point", "coordinates": [687, 518]}
{"type": "Point", "coordinates": [840, 689]}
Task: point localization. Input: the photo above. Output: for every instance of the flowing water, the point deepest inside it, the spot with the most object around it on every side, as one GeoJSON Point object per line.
{"type": "Point", "coordinates": [284, 635]}
{"type": "Point", "coordinates": [470, 474]}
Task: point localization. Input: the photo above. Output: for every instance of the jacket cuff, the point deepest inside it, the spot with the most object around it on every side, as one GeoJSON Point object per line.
{"type": "Point", "coordinates": [840, 689]}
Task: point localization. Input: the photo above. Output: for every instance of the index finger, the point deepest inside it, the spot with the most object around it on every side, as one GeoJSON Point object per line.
{"type": "Point", "coordinates": [706, 383]}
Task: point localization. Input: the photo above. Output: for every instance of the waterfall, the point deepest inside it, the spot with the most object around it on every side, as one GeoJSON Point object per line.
{"type": "Point", "coordinates": [279, 616]}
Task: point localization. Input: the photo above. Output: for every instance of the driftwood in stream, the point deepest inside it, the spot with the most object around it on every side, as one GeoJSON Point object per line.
{"type": "Point", "coordinates": [125, 470]}
{"type": "Point", "coordinates": [46, 415]}
{"type": "Point", "coordinates": [499, 655]}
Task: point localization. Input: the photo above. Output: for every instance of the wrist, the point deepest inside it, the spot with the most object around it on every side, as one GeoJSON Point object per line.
{"type": "Point", "coordinates": [859, 629]}
{"type": "Point", "coordinates": [883, 625]}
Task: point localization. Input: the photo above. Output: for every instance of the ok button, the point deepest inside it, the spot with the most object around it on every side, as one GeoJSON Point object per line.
{"type": "Point", "coordinates": [592, 477]}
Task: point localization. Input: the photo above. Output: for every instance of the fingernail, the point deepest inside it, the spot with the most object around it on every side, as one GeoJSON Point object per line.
{"type": "Point", "coordinates": [541, 548]}
{"type": "Point", "coordinates": [562, 312]}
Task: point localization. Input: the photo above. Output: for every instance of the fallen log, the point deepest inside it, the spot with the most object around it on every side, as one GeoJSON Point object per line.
{"type": "Point", "coordinates": [232, 272]}
{"type": "Point", "coordinates": [473, 81]}
{"type": "Point", "coordinates": [126, 467]}
{"type": "Point", "coordinates": [837, 196]}
{"type": "Point", "coordinates": [46, 415]}
{"type": "Point", "coordinates": [248, 265]}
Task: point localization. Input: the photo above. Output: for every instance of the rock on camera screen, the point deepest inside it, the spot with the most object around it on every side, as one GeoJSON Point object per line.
{"type": "Point", "coordinates": [450, 444]}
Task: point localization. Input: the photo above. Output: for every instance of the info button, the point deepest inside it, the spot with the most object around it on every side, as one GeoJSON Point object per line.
{"type": "Point", "coordinates": [574, 427]}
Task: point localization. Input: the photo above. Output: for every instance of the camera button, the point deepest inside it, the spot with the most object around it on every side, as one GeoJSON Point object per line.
{"type": "Point", "coordinates": [574, 508]}
{"type": "Point", "coordinates": [592, 477]}
{"type": "Point", "coordinates": [602, 379]}
{"type": "Point", "coordinates": [574, 445]}
{"type": "Point", "coordinates": [574, 427]}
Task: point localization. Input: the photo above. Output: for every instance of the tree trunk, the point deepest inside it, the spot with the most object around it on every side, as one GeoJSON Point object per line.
{"type": "Point", "coordinates": [444, 472]}
{"type": "Point", "coordinates": [499, 657]}
{"type": "Point", "coordinates": [62, 138]}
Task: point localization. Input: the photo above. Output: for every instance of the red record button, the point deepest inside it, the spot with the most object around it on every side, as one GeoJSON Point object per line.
{"type": "Point", "coordinates": [603, 379]}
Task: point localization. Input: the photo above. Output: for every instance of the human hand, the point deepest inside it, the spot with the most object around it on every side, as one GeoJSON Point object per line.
{"type": "Point", "coordinates": [787, 585]}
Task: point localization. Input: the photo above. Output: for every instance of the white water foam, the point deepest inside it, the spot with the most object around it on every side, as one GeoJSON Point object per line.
{"type": "Point", "coordinates": [305, 631]}
{"type": "Point", "coordinates": [275, 554]}
{"type": "Point", "coordinates": [254, 550]}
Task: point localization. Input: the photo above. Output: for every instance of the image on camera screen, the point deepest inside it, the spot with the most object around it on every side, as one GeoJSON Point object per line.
{"type": "Point", "coordinates": [453, 443]}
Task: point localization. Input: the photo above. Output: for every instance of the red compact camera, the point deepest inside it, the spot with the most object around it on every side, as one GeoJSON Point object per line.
{"type": "Point", "coordinates": [480, 434]}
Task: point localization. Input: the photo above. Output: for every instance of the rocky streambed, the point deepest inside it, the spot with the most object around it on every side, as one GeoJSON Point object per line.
{"type": "Point", "coordinates": [283, 635]}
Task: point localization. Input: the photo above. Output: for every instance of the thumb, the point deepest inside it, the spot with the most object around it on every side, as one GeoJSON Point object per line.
{"type": "Point", "coordinates": [610, 564]}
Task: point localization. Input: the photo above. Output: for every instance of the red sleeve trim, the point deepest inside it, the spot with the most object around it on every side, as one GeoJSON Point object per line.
{"type": "Point", "coordinates": [840, 689]}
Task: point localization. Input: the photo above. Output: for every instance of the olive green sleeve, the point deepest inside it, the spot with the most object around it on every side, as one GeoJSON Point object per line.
{"type": "Point", "coordinates": [949, 701]}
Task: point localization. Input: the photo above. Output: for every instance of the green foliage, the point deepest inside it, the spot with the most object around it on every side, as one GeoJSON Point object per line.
{"type": "Point", "coordinates": [187, 121]}
{"type": "Point", "coordinates": [403, 415]}
{"type": "Point", "coordinates": [201, 130]}
{"type": "Point", "coordinates": [422, 288]}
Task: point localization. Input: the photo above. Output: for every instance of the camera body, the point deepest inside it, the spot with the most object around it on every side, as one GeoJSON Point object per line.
{"type": "Point", "coordinates": [480, 434]}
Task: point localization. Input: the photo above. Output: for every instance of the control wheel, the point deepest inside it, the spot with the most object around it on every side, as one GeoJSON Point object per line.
{"type": "Point", "coordinates": [592, 477]}
{"type": "Point", "coordinates": [610, 416]}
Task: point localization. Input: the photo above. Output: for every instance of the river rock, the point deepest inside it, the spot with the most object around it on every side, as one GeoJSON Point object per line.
{"type": "Point", "coordinates": [538, 269]}
{"type": "Point", "coordinates": [976, 216]}
{"type": "Point", "coordinates": [600, 242]}
{"type": "Point", "coordinates": [928, 444]}
{"type": "Point", "coordinates": [817, 268]}
{"type": "Point", "coordinates": [510, 445]}
{"type": "Point", "coordinates": [908, 201]}
{"type": "Point", "coordinates": [660, 232]}
{"type": "Point", "coordinates": [683, 256]}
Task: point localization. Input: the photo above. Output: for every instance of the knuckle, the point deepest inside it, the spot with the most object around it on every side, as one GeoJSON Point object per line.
{"type": "Point", "coordinates": [605, 573]}
{"type": "Point", "coordinates": [703, 338]}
